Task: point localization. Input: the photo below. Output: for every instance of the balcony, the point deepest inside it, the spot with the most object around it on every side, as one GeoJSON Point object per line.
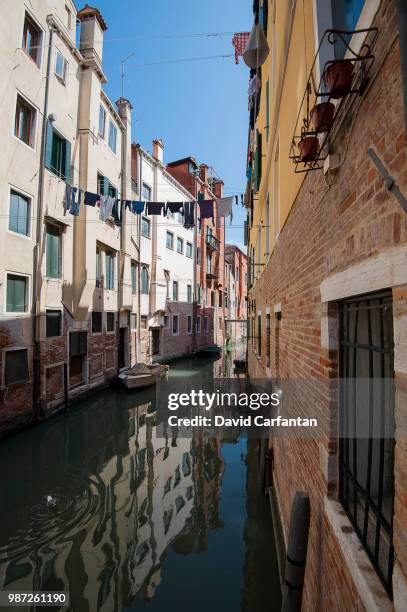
{"type": "Point", "coordinates": [212, 273]}
{"type": "Point", "coordinates": [212, 242]}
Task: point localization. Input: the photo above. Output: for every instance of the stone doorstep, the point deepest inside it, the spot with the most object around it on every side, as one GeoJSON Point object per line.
{"type": "Point", "coordinates": [365, 579]}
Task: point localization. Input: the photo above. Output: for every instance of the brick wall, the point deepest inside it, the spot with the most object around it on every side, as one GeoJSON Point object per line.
{"type": "Point", "coordinates": [355, 219]}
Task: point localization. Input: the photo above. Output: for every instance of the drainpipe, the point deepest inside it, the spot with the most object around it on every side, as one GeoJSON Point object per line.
{"type": "Point", "coordinates": [140, 189]}
{"type": "Point", "coordinates": [402, 27]}
{"type": "Point", "coordinates": [195, 276]}
{"type": "Point", "coordinates": [37, 259]}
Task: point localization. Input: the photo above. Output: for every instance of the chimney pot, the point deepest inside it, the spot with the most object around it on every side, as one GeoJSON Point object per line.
{"type": "Point", "coordinates": [158, 150]}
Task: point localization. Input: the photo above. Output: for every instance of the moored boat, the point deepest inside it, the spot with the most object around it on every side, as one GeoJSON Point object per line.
{"type": "Point", "coordinates": [143, 375]}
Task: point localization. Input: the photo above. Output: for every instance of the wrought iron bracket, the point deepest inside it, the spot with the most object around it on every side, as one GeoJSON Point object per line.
{"type": "Point", "coordinates": [316, 93]}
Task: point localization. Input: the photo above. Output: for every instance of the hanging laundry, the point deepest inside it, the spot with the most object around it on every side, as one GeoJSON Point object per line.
{"type": "Point", "coordinates": [137, 206]}
{"type": "Point", "coordinates": [126, 204]}
{"type": "Point", "coordinates": [189, 214]}
{"type": "Point", "coordinates": [237, 200]}
{"type": "Point", "coordinates": [106, 207]}
{"type": "Point", "coordinates": [225, 207]}
{"type": "Point", "coordinates": [155, 208]}
{"type": "Point", "coordinates": [91, 199]}
{"type": "Point", "coordinates": [73, 197]}
{"type": "Point", "coordinates": [239, 42]}
{"type": "Point", "coordinates": [117, 211]}
{"type": "Point", "coordinates": [174, 207]}
{"type": "Point", "coordinates": [241, 199]}
{"type": "Point", "coordinates": [206, 209]}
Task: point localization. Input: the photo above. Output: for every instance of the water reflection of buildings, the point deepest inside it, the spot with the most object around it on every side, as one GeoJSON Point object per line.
{"type": "Point", "coordinates": [121, 502]}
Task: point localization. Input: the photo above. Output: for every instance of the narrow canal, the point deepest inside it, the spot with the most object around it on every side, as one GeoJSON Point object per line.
{"type": "Point", "coordinates": [93, 503]}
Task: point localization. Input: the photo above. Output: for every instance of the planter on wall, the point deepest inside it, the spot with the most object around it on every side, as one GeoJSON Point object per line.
{"type": "Point", "coordinates": [308, 146]}
{"type": "Point", "coordinates": [338, 77]}
{"type": "Point", "coordinates": [322, 116]}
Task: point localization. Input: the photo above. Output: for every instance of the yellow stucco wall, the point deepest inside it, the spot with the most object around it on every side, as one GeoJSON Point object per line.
{"type": "Point", "coordinates": [292, 48]}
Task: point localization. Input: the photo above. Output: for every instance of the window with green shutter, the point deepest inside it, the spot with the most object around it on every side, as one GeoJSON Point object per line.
{"type": "Point", "coordinates": [53, 252]}
{"type": "Point", "coordinates": [19, 214]}
{"type": "Point", "coordinates": [109, 270]}
{"type": "Point", "coordinates": [134, 278]}
{"type": "Point", "coordinates": [16, 293]}
{"type": "Point", "coordinates": [57, 154]}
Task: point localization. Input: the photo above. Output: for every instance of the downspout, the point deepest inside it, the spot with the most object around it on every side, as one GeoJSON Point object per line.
{"type": "Point", "coordinates": [195, 263]}
{"type": "Point", "coordinates": [138, 341]}
{"type": "Point", "coordinates": [402, 27]}
{"type": "Point", "coordinates": [123, 240]}
{"type": "Point", "coordinates": [37, 259]}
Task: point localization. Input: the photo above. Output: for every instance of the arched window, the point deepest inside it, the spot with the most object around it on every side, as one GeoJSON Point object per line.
{"type": "Point", "coordinates": [144, 281]}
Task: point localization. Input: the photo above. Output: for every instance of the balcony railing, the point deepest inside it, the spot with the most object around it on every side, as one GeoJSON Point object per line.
{"type": "Point", "coordinates": [212, 272]}
{"type": "Point", "coordinates": [212, 242]}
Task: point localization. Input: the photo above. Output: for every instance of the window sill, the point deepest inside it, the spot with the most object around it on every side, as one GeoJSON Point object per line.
{"type": "Point", "coordinates": [365, 579]}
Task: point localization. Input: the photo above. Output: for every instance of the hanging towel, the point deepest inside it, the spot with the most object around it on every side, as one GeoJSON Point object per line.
{"type": "Point", "coordinates": [91, 199]}
{"type": "Point", "coordinates": [206, 209]}
{"type": "Point", "coordinates": [73, 197]}
{"type": "Point", "coordinates": [189, 214]}
{"type": "Point", "coordinates": [155, 208]}
{"type": "Point", "coordinates": [137, 207]}
{"type": "Point", "coordinates": [106, 207]}
{"type": "Point", "coordinates": [174, 207]}
{"type": "Point", "coordinates": [117, 211]}
{"type": "Point", "coordinates": [225, 207]}
{"type": "Point", "coordinates": [239, 42]}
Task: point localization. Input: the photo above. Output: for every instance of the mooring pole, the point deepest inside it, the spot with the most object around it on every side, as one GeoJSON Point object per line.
{"type": "Point", "coordinates": [296, 553]}
{"type": "Point", "coordinates": [66, 401]}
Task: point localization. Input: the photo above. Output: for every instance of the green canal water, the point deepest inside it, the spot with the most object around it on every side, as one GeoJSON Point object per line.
{"type": "Point", "coordinates": [92, 503]}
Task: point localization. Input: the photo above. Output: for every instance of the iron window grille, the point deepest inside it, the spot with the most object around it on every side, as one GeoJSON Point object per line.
{"type": "Point", "coordinates": [367, 402]}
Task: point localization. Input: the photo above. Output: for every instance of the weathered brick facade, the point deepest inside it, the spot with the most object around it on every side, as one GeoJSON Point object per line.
{"type": "Point", "coordinates": [329, 230]}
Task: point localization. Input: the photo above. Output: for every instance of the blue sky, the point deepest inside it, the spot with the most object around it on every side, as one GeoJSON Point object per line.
{"type": "Point", "coordinates": [198, 108]}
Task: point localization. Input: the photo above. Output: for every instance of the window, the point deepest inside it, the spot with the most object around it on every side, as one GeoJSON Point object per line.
{"type": "Point", "coordinates": [146, 192]}
{"type": "Point", "coordinates": [99, 274]}
{"type": "Point", "coordinates": [259, 335]}
{"type": "Point", "coordinates": [16, 294]}
{"type": "Point", "coordinates": [143, 322]}
{"type": "Point", "coordinates": [209, 263]}
{"type": "Point", "coordinates": [110, 262]}
{"type": "Point", "coordinates": [188, 250]}
{"type": "Point", "coordinates": [366, 457]}
{"type": "Point", "coordinates": [345, 16]}
{"type": "Point", "coordinates": [133, 278]}
{"type": "Point", "coordinates": [170, 240]}
{"type": "Point", "coordinates": [175, 291]}
{"type": "Point", "coordinates": [53, 244]}
{"type": "Point", "coordinates": [78, 343]}
{"type": "Point", "coordinates": [110, 322]}
{"type": "Point", "coordinates": [32, 39]}
{"type": "Point", "coordinates": [268, 340]}
{"type": "Point", "coordinates": [60, 66]}
{"type": "Point", "coordinates": [165, 320]}
{"type": "Point", "coordinates": [16, 366]}
{"type": "Point", "coordinates": [144, 280]}
{"type": "Point", "coordinates": [24, 127]}
{"type": "Point", "coordinates": [189, 324]}
{"type": "Point", "coordinates": [53, 323]}
{"type": "Point", "coordinates": [212, 299]}
{"type": "Point", "coordinates": [102, 121]}
{"type": "Point", "coordinates": [19, 214]}
{"type": "Point", "coordinates": [198, 256]}
{"type": "Point", "coordinates": [68, 18]}
{"type": "Point", "coordinates": [180, 245]}
{"type": "Point", "coordinates": [199, 294]}
{"type": "Point", "coordinates": [145, 227]}
{"type": "Point", "coordinates": [189, 294]}
{"type": "Point", "coordinates": [206, 325]}
{"type": "Point", "coordinates": [96, 322]}
{"type": "Point", "coordinates": [198, 325]}
{"type": "Point", "coordinates": [112, 136]}
{"type": "Point", "coordinates": [57, 154]}
{"type": "Point", "coordinates": [220, 298]}
{"type": "Point", "coordinates": [175, 325]}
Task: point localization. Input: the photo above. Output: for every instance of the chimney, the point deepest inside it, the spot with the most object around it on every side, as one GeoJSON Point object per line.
{"type": "Point", "coordinates": [158, 150]}
{"type": "Point", "coordinates": [203, 172]}
{"type": "Point", "coordinates": [93, 27]}
{"type": "Point", "coordinates": [217, 188]}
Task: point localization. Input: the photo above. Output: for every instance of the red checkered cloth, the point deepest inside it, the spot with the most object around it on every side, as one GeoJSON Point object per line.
{"type": "Point", "coordinates": [239, 41]}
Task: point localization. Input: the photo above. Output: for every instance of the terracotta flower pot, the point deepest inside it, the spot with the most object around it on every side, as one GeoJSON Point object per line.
{"type": "Point", "coordinates": [338, 77]}
{"type": "Point", "coordinates": [322, 116]}
{"type": "Point", "coordinates": [308, 148]}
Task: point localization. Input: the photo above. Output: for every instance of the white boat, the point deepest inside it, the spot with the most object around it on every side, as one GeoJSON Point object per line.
{"type": "Point", "coordinates": [143, 375]}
